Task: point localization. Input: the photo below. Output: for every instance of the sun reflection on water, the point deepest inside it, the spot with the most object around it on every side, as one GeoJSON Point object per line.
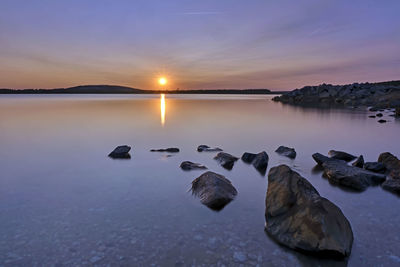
{"type": "Point", "coordinates": [162, 109]}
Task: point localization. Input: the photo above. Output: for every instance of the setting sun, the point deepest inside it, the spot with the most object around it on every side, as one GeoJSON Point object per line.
{"type": "Point", "coordinates": [162, 81]}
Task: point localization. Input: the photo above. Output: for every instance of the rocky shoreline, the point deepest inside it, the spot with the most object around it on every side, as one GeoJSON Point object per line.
{"type": "Point", "coordinates": [378, 95]}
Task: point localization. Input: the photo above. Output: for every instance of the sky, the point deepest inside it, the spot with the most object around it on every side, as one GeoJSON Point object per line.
{"type": "Point", "coordinates": [274, 44]}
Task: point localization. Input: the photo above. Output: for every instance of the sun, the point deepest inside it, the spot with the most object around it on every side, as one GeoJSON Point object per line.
{"type": "Point", "coordinates": [162, 81]}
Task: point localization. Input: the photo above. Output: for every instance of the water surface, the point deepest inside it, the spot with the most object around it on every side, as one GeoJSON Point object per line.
{"type": "Point", "coordinates": [64, 202]}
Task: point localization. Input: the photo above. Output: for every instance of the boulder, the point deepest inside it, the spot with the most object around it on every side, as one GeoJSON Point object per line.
{"type": "Point", "coordinates": [359, 162]}
{"type": "Point", "coordinates": [260, 162]}
{"type": "Point", "coordinates": [205, 148]}
{"type": "Point", "coordinates": [375, 167]}
{"type": "Point", "coordinates": [214, 190]}
{"type": "Point", "coordinates": [226, 160]}
{"type": "Point", "coordinates": [338, 172]}
{"type": "Point", "coordinates": [120, 152]}
{"type": "Point", "coordinates": [286, 151]}
{"type": "Point", "coordinates": [341, 155]}
{"type": "Point", "coordinates": [248, 157]}
{"type": "Point", "coordinates": [188, 166]}
{"type": "Point", "coordinates": [392, 165]}
{"type": "Point", "coordinates": [299, 218]}
{"type": "Point", "coordinates": [170, 149]}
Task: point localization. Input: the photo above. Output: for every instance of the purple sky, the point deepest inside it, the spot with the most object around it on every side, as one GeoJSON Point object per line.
{"type": "Point", "coordinates": [198, 44]}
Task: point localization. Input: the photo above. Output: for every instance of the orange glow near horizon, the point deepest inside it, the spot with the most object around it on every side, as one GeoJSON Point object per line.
{"type": "Point", "coordinates": [162, 109]}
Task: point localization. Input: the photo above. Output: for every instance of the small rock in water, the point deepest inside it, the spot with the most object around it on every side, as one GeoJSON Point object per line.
{"type": "Point", "coordinates": [379, 115]}
{"type": "Point", "coordinates": [214, 190]}
{"type": "Point", "coordinates": [120, 152]}
{"type": "Point", "coordinates": [205, 148]}
{"type": "Point", "coordinates": [397, 112]}
{"type": "Point", "coordinates": [260, 162]}
{"type": "Point", "coordinates": [341, 155]}
{"type": "Point", "coordinates": [299, 218]}
{"type": "Point", "coordinates": [248, 157]}
{"type": "Point", "coordinates": [371, 116]}
{"type": "Point", "coordinates": [188, 165]}
{"type": "Point", "coordinates": [392, 164]}
{"type": "Point", "coordinates": [359, 162]}
{"type": "Point", "coordinates": [382, 121]}
{"type": "Point", "coordinates": [226, 160]}
{"type": "Point", "coordinates": [170, 149]}
{"type": "Point", "coordinates": [375, 167]}
{"type": "Point", "coordinates": [286, 151]}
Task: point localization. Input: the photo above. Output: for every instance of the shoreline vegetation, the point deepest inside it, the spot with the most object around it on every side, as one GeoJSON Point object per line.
{"type": "Point", "coordinates": [115, 89]}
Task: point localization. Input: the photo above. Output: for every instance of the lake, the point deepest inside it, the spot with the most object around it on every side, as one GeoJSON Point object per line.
{"type": "Point", "coordinates": [64, 202]}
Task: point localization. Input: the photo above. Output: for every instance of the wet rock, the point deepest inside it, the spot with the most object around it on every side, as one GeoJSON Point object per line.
{"type": "Point", "coordinates": [120, 152]}
{"type": "Point", "coordinates": [359, 162]}
{"type": "Point", "coordinates": [214, 190]}
{"type": "Point", "coordinates": [379, 115]}
{"type": "Point", "coordinates": [248, 157]}
{"type": "Point", "coordinates": [286, 151]}
{"type": "Point", "coordinates": [375, 167]}
{"type": "Point", "coordinates": [371, 116]}
{"type": "Point", "coordinates": [260, 162]}
{"type": "Point", "coordinates": [321, 159]}
{"type": "Point", "coordinates": [299, 218]}
{"type": "Point", "coordinates": [373, 109]}
{"type": "Point", "coordinates": [226, 160]}
{"type": "Point", "coordinates": [170, 150]}
{"type": "Point", "coordinates": [392, 164]}
{"type": "Point", "coordinates": [188, 166]}
{"type": "Point", "coordinates": [205, 148]}
{"type": "Point", "coordinates": [341, 155]}
{"type": "Point", "coordinates": [397, 112]}
{"type": "Point", "coordinates": [382, 121]}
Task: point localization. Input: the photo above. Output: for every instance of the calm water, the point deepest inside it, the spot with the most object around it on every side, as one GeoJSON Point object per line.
{"type": "Point", "coordinates": [64, 202]}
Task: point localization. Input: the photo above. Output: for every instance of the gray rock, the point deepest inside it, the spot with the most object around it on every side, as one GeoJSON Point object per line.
{"type": "Point", "coordinates": [299, 218]}
{"type": "Point", "coordinates": [120, 152]}
{"type": "Point", "coordinates": [214, 190]}
{"type": "Point", "coordinates": [205, 148]}
{"type": "Point", "coordinates": [341, 155]}
{"type": "Point", "coordinates": [188, 166]}
{"type": "Point", "coordinates": [286, 151]}
{"type": "Point", "coordinates": [375, 167]}
{"type": "Point", "coordinates": [170, 149]}
{"type": "Point", "coordinates": [260, 162]}
{"type": "Point", "coordinates": [248, 157]}
{"type": "Point", "coordinates": [359, 162]}
{"type": "Point", "coordinates": [239, 256]}
{"type": "Point", "coordinates": [392, 165]}
{"type": "Point", "coordinates": [226, 160]}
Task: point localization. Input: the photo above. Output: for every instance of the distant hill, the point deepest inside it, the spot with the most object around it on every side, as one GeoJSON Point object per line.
{"type": "Point", "coordinates": [114, 89]}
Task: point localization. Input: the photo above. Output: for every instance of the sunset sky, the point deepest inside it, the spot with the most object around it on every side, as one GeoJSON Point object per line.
{"type": "Point", "coordinates": [198, 44]}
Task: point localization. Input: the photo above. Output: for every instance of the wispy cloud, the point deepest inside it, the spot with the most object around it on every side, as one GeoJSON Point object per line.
{"type": "Point", "coordinates": [201, 13]}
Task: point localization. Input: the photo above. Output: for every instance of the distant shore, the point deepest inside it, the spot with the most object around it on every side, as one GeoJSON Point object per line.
{"type": "Point", "coordinates": [112, 89]}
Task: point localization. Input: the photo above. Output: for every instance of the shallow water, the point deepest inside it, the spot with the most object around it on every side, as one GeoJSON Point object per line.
{"type": "Point", "coordinates": [64, 202]}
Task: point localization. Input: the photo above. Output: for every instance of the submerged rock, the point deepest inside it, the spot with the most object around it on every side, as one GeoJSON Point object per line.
{"type": "Point", "coordinates": [260, 162]}
{"type": "Point", "coordinates": [188, 166]}
{"type": "Point", "coordinates": [299, 218]}
{"type": "Point", "coordinates": [359, 162]}
{"type": "Point", "coordinates": [205, 148]}
{"type": "Point", "coordinates": [214, 190]}
{"type": "Point", "coordinates": [170, 149]}
{"type": "Point", "coordinates": [226, 160]}
{"type": "Point", "coordinates": [338, 172]}
{"type": "Point", "coordinates": [375, 167]}
{"type": "Point", "coordinates": [392, 164]}
{"type": "Point", "coordinates": [120, 152]}
{"type": "Point", "coordinates": [341, 155]}
{"type": "Point", "coordinates": [286, 151]}
{"type": "Point", "coordinates": [248, 157]}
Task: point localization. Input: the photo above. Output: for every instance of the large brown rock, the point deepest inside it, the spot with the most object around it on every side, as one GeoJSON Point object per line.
{"type": "Point", "coordinates": [214, 190]}
{"type": "Point", "coordinates": [392, 165]}
{"type": "Point", "coordinates": [299, 218]}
